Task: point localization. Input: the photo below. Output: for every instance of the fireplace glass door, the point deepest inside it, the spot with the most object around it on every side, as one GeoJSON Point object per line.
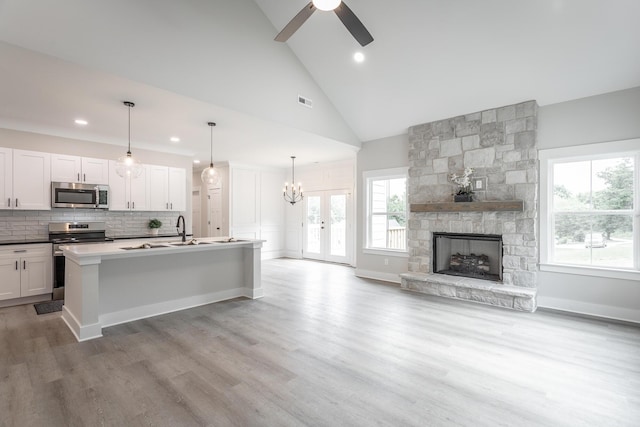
{"type": "Point", "coordinates": [471, 255]}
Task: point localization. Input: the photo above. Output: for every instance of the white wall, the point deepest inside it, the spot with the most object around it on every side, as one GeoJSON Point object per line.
{"type": "Point", "coordinates": [383, 153]}
{"type": "Point", "coordinates": [256, 209]}
{"type": "Point", "coordinates": [609, 117]}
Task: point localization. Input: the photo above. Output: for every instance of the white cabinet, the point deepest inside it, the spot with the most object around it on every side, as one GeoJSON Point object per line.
{"type": "Point", "coordinates": [167, 191]}
{"type": "Point", "coordinates": [26, 270]}
{"type": "Point", "coordinates": [79, 169]}
{"type": "Point", "coordinates": [128, 194]}
{"type": "Point", "coordinates": [26, 180]}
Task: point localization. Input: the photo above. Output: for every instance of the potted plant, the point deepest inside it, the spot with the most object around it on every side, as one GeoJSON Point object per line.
{"type": "Point", "coordinates": [154, 225]}
{"type": "Point", "coordinates": [464, 192]}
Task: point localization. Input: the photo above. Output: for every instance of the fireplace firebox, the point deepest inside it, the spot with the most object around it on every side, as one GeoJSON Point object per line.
{"type": "Point", "coordinates": [471, 255]}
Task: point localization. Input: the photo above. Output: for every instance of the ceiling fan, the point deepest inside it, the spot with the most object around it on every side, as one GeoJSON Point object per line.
{"type": "Point", "coordinates": [346, 15]}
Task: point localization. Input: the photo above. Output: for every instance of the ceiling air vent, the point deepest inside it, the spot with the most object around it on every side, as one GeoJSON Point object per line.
{"type": "Point", "coordinates": [305, 101]}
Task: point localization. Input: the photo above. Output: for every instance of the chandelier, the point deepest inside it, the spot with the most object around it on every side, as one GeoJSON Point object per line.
{"type": "Point", "coordinates": [293, 196]}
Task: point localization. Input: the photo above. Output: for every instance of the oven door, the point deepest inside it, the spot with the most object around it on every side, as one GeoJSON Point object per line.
{"type": "Point", "coordinates": [58, 273]}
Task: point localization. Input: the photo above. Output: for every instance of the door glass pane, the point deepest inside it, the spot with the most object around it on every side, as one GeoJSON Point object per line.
{"type": "Point", "coordinates": [338, 206]}
{"type": "Point", "coordinates": [313, 224]}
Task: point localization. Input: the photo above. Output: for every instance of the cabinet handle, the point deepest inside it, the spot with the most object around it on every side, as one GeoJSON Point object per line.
{"type": "Point", "coordinates": [127, 205]}
{"type": "Point", "coordinates": [84, 177]}
{"type": "Point", "coordinates": [16, 202]}
{"type": "Point", "coordinates": [9, 202]}
{"type": "Point", "coordinates": [78, 176]}
{"type": "Point", "coordinates": [16, 265]}
{"type": "Point", "coordinates": [20, 251]}
{"type": "Point", "coordinates": [133, 205]}
{"type": "Point", "coordinates": [24, 265]}
{"type": "Point", "coordinates": [171, 206]}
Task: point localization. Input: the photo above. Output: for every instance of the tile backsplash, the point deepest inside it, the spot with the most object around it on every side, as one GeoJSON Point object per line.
{"type": "Point", "coordinates": [33, 225]}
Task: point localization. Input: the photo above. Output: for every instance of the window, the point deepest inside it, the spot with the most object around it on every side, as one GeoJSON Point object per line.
{"type": "Point", "coordinates": [590, 205]}
{"type": "Point", "coordinates": [386, 210]}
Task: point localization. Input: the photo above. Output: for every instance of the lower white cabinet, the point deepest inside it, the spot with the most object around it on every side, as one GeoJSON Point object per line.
{"type": "Point", "coordinates": [26, 270]}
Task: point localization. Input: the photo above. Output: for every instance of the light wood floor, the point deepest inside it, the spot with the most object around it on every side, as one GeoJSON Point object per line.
{"type": "Point", "coordinates": [323, 348]}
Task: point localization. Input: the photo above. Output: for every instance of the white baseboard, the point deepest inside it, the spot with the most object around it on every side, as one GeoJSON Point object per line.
{"type": "Point", "coordinates": [292, 254]}
{"type": "Point", "coordinates": [378, 275]}
{"type": "Point", "coordinates": [588, 309]}
{"type": "Point", "coordinates": [272, 254]}
{"type": "Point", "coordinates": [82, 333]}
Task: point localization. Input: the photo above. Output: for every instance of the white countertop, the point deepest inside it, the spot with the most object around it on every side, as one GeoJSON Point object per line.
{"type": "Point", "coordinates": [159, 247]}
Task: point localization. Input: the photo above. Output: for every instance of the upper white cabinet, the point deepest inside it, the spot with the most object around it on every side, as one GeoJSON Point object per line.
{"type": "Point", "coordinates": [26, 180]}
{"type": "Point", "coordinates": [128, 194]}
{"type": "Point", "coordinates": [79, 169]}
{"type": "Point", "coordinates": [167, 191]}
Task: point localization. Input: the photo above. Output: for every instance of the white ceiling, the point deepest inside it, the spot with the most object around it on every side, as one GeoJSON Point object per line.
{"type": "Point", "coordinates": [185, 63]}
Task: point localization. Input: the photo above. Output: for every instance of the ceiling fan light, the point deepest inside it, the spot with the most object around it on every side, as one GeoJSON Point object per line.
{"type": "Point", "coordinates": [326, 4]}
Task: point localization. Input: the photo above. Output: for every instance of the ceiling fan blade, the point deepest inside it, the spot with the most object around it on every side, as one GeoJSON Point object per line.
{"type": "Point", "coordinates": [353, 24]}
{"type": "Point", "coordinates": [296, 23]}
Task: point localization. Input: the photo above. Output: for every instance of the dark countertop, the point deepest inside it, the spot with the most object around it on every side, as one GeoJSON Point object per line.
{"type": "Point", "coordinates": [23, 242]}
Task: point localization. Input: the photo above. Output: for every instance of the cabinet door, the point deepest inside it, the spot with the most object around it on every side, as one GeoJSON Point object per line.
{"type": "Point", "coordinates": [36, 275]}
{"type": "Point", "coordinates": [31, 180]}
{"type": "Point", "coordinates": [177, 189]}
{"type": "Point", "coordinates": [95, 171]}
{"type": "Point", "coordinates": [10, 273]}
{"type": "Point", "coordinates": [139, 193]}
{"type": "Point", "coordinates": [118, 191]}
{"type": "Point", "coordinates": [65, 168]}
{"type": "Point", "coordinates": [6, 178]}
{"type": "Point", "coordinates": [158, 188]}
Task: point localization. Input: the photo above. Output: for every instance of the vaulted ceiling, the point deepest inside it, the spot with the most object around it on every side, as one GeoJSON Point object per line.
{"type": "Point", "coordinates": [188, 62]}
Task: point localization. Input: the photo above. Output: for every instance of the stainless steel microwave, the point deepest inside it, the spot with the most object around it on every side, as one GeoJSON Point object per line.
{"type": "Point", "coordinates": [77, 195]}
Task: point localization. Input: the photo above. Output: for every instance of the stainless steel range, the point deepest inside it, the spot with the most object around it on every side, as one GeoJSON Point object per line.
{"type": "Point", "coordinates": [71, 233]}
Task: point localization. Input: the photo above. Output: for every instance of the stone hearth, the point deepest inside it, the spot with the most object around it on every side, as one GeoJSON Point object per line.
{"type": "Point", "coordinates": [500, 144]}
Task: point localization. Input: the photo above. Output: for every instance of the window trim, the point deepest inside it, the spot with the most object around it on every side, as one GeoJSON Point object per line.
{"type": "Point", "coordinates": [550, 157]}
{"type": "Point", "coordinates": [381, 174]}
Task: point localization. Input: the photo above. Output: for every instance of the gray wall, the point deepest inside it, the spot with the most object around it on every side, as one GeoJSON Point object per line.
{"type": "Point", "coordinates": [609, 117]}
{"type": "Point", "coordinates": [385, 153]}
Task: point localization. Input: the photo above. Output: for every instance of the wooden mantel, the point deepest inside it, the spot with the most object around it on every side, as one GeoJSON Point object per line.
{"type": "Point", "coordinates": [493, 206]}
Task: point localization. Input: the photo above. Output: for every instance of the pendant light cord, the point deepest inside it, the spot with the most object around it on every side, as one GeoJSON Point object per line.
{"type": "Point", "coordinates": [129, 104]}
{"type": "Point", "coordinates": [211, 124]}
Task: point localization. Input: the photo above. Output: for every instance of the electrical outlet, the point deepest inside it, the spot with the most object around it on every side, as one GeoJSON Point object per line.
{"type": "Point", "coordinates": [386, 261]}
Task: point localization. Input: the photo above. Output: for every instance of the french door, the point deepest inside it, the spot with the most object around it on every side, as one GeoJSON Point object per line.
{"type": "Point", "coordinates": [328, 226]}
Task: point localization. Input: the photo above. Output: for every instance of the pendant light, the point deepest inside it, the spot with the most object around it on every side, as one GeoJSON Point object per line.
{"type": "Point", "coordinates": [127, 166]}
{"type": "Point", "coordinates": [209, 175]}
{"type": "Point", "coordinates": [294, 196]}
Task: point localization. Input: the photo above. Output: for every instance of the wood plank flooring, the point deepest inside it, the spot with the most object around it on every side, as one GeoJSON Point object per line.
{"type": "Point", "coordinates": [323, 348]}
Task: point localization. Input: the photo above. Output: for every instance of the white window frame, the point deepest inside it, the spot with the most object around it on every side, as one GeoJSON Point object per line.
{"type": "Point", "coordinates": [368, 178]}
{"type": "Point", "coordinates": [548, 158]}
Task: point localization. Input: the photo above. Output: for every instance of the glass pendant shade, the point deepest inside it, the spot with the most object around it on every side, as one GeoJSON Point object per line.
{"type": "Point", "coordinates": [326, 4]}
{"type": "Point", "coordinates": [209, 176]}
{"type": "Point", "coordinates": [127, 166]}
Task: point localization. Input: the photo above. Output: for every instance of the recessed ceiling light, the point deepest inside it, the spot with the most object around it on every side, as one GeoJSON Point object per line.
{"type": "Point", "coordinates": [358, 57]}
{"type": "Point", "coordinates": [174, 139]}
{"type": "Point", "coordinates": [81, 122]}
{"type": "Point", "coordinates": [196, 161]}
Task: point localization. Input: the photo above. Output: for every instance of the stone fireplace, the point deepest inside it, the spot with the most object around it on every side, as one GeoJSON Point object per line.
{"type": "Point", "coordinates": [500, 145]}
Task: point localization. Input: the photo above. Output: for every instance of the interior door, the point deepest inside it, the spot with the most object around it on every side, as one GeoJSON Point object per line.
{"type": "Point", "coordinates": [327, 231]}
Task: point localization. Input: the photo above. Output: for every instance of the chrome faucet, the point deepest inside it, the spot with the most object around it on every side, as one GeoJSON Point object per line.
{"type": "Point", "coordinates": [184, 228]}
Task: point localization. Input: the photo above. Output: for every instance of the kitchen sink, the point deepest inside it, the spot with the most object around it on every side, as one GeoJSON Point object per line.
{"type": "Point", "coordinates": [145, 246]}
{"type": "Point", "coordinates": [229, 241]}
{"type": "Point", "coordinates": [188, 243]}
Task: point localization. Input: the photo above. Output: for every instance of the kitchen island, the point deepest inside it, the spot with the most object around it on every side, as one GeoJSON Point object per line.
{"type": "Point", "coordinates": [113, 283]}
